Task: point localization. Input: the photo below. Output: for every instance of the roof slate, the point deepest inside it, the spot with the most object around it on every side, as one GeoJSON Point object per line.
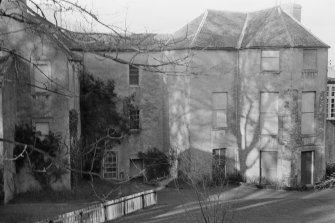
{"type": "Point", "coordinates": [265, 28]}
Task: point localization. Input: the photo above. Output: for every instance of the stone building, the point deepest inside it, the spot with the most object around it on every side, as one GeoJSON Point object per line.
{"type": "Point", "coordinates": [39, 87]}
{"type": "Point", "coordinates": [253, 97]}
{"type": "Point", "coordinates": [330, 124]}
{"type": "Point", "coordinates": [249, 95]}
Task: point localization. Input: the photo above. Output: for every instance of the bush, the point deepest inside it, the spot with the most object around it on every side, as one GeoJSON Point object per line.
{"type": "Point", "coordinates": [157, 164]}
{"type": "Point", "coordinates": [329, 181]}
{"type": "Point", "coordinates": [42, 167]}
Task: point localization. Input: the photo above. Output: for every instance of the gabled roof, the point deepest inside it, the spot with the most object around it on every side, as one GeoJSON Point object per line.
{"type": "Point", "coordinates": [266, 28]}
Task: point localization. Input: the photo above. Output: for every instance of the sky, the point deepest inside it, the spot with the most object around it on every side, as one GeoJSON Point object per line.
{"type": "Point", "coordinates": [168, 16]}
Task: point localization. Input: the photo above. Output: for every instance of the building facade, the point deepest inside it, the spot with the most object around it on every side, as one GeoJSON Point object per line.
{"type": "Point", "coordinates": [254, 96]}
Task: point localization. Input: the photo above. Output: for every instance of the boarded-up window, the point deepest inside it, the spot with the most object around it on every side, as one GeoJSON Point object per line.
{"type": "Point", "coordinates": [133, 75]}
{"type": "Point", "coordinates": [269, 113]}
{"type": "Point", "coordinates": [270, 60]}
{"type": "Point", "coordinates": [310, 60]}
{"type": "Point", "coordinates": [42, 75]}
{"type": "Point", "coordinates": [307, 113]}
{"type": "Point", "coordinates": [42, 127]}
{"type": "Point", "coordinates": [268, 166]}
{"type": "Point", "coordinates": [219, 110]}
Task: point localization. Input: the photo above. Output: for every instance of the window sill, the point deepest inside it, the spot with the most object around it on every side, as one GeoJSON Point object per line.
{"type": "Point", "coordinates": [308, 135]}
{"type": "Point", "coordinates": [219, 129]}
{"type": "Point", "coordinates": [40, 94]}
{"type": "Point", "coordinates": [135, 131]}
{"type": "Point", "coordinates": [271, 71]}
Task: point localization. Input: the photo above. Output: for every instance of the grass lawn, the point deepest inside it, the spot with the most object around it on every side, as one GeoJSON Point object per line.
{"type": "Point", "coordinates": [33, 206]}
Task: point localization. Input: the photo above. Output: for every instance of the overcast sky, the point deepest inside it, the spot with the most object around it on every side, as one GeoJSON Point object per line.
{"type": "Point", "coordinates": [167, 16]}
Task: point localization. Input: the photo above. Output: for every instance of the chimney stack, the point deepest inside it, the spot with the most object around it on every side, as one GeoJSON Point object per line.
{"type": "Point", "coordinates": [293, 9]}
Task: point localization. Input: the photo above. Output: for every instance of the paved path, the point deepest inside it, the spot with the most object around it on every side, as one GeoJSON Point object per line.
{"type": "Point", "coordinates": [240, 204]}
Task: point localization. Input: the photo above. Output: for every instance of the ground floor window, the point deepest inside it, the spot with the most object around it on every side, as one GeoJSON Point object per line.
{"type": "Point", "coordinates": [219, 163]}
{"type": "Point", "coordinates": [110, 165]}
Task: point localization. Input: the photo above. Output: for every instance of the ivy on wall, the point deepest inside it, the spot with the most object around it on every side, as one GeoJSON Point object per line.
{"type": "Point", "coordinates": [101, 119]}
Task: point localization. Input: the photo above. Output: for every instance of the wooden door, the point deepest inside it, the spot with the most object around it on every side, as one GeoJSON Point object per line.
{"type": "Point", "coordinates": [307, 167]}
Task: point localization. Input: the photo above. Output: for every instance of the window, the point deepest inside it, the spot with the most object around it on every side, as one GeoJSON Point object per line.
{"type": "Point", "coordinates": [269, 113]}
{"type": "Point", "coordinates": [42, 75]}
{"type": "Point", "coordinates": [331, 102]}
{"type": "Point", "coordinates": [42, 128]}
{"type": "Point", "coordinates": [219, 163]}
{"type": "Point", "coordinates": [270, 60]}
{"type": "Point", "coordinates": [309, 60]}
{"type": "Point", "coordinates": [134, 119]}
{"type": "Point", "coordinates": [133, 75]}
{"type": "Point", "coordinates": [110, 165]}
{"type": "Point", "coordinates": [307, 113]}
{"type": "Point", "coordinates": [219, 119]}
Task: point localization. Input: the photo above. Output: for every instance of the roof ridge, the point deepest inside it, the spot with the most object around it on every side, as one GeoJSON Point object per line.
{"type": "Point", "coordinates": [280, 10]}
{"type": "Point", "coordinates": [305, 28]}
{"type": "Point", "coordinates": [200, 27]}
{"type": "Point", "coordinates": [240, 39]}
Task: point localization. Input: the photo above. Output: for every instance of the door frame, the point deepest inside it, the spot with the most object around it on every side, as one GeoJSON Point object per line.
{"type": "Point", "coordinates": [313, 165]}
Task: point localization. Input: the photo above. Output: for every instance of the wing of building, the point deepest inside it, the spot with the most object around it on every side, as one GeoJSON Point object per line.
{"type": "Point", "coordinates": [230, 93]}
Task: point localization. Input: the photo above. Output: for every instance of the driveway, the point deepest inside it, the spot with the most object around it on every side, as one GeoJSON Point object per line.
{"type": "Point", "coordinates": [239, 204]}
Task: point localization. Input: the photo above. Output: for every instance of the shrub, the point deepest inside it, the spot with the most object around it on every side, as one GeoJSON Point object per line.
{"type": "Point", "coordinates": [43, 169]}
{"type": "Point", "coordinates": [157, 164]}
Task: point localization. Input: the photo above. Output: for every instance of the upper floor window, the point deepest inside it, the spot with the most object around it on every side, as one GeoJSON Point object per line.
{"type": "Point", "coordinates": [219, 119]}
{"type": "Point", "coordinates": [133, 75]}
{"type": "Point", "coordinates": [307, 113]}
{"type": "Point", "coordinates": [269, 113]}
{"type": "Point", "coordinates": [331, 101]}
{"type": "Point", "coordinates": [42, 128]}
{"type": "Point", "coordinates": [270, 60]}
{"type": "Point", "coordinates": [134, 118]}
{"type": "Point", "coordinates": [41, 76]}
{"type": "Point", "coordinates": [310, 60]}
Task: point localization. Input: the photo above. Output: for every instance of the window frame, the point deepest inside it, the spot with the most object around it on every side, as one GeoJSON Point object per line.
{"type": "Point", "coordinates": [137, 119]}
{"type": "Point", "coordinates": [116, 163]}
{"type": "Point", "coordinates": [221, 166]}
{"type": "Point", "coordinates": [308, 112]}
{"type": "Point", "coordinates": [215, 112]}
{"type": "Point", "coordinates": [264, 57]}
{"type": "Point", "coordinates": [263, 114]}
{"type": "Point", "coordinates": [131, 76]}
{"type": "Point", "coordinates": [331, 101]}
{"type": "Point", "coordinates": [34, 67]}
{"type": "Point", "coordinates": [316, 60]}
{"type": "Point", "coordinates": [42, 120]}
